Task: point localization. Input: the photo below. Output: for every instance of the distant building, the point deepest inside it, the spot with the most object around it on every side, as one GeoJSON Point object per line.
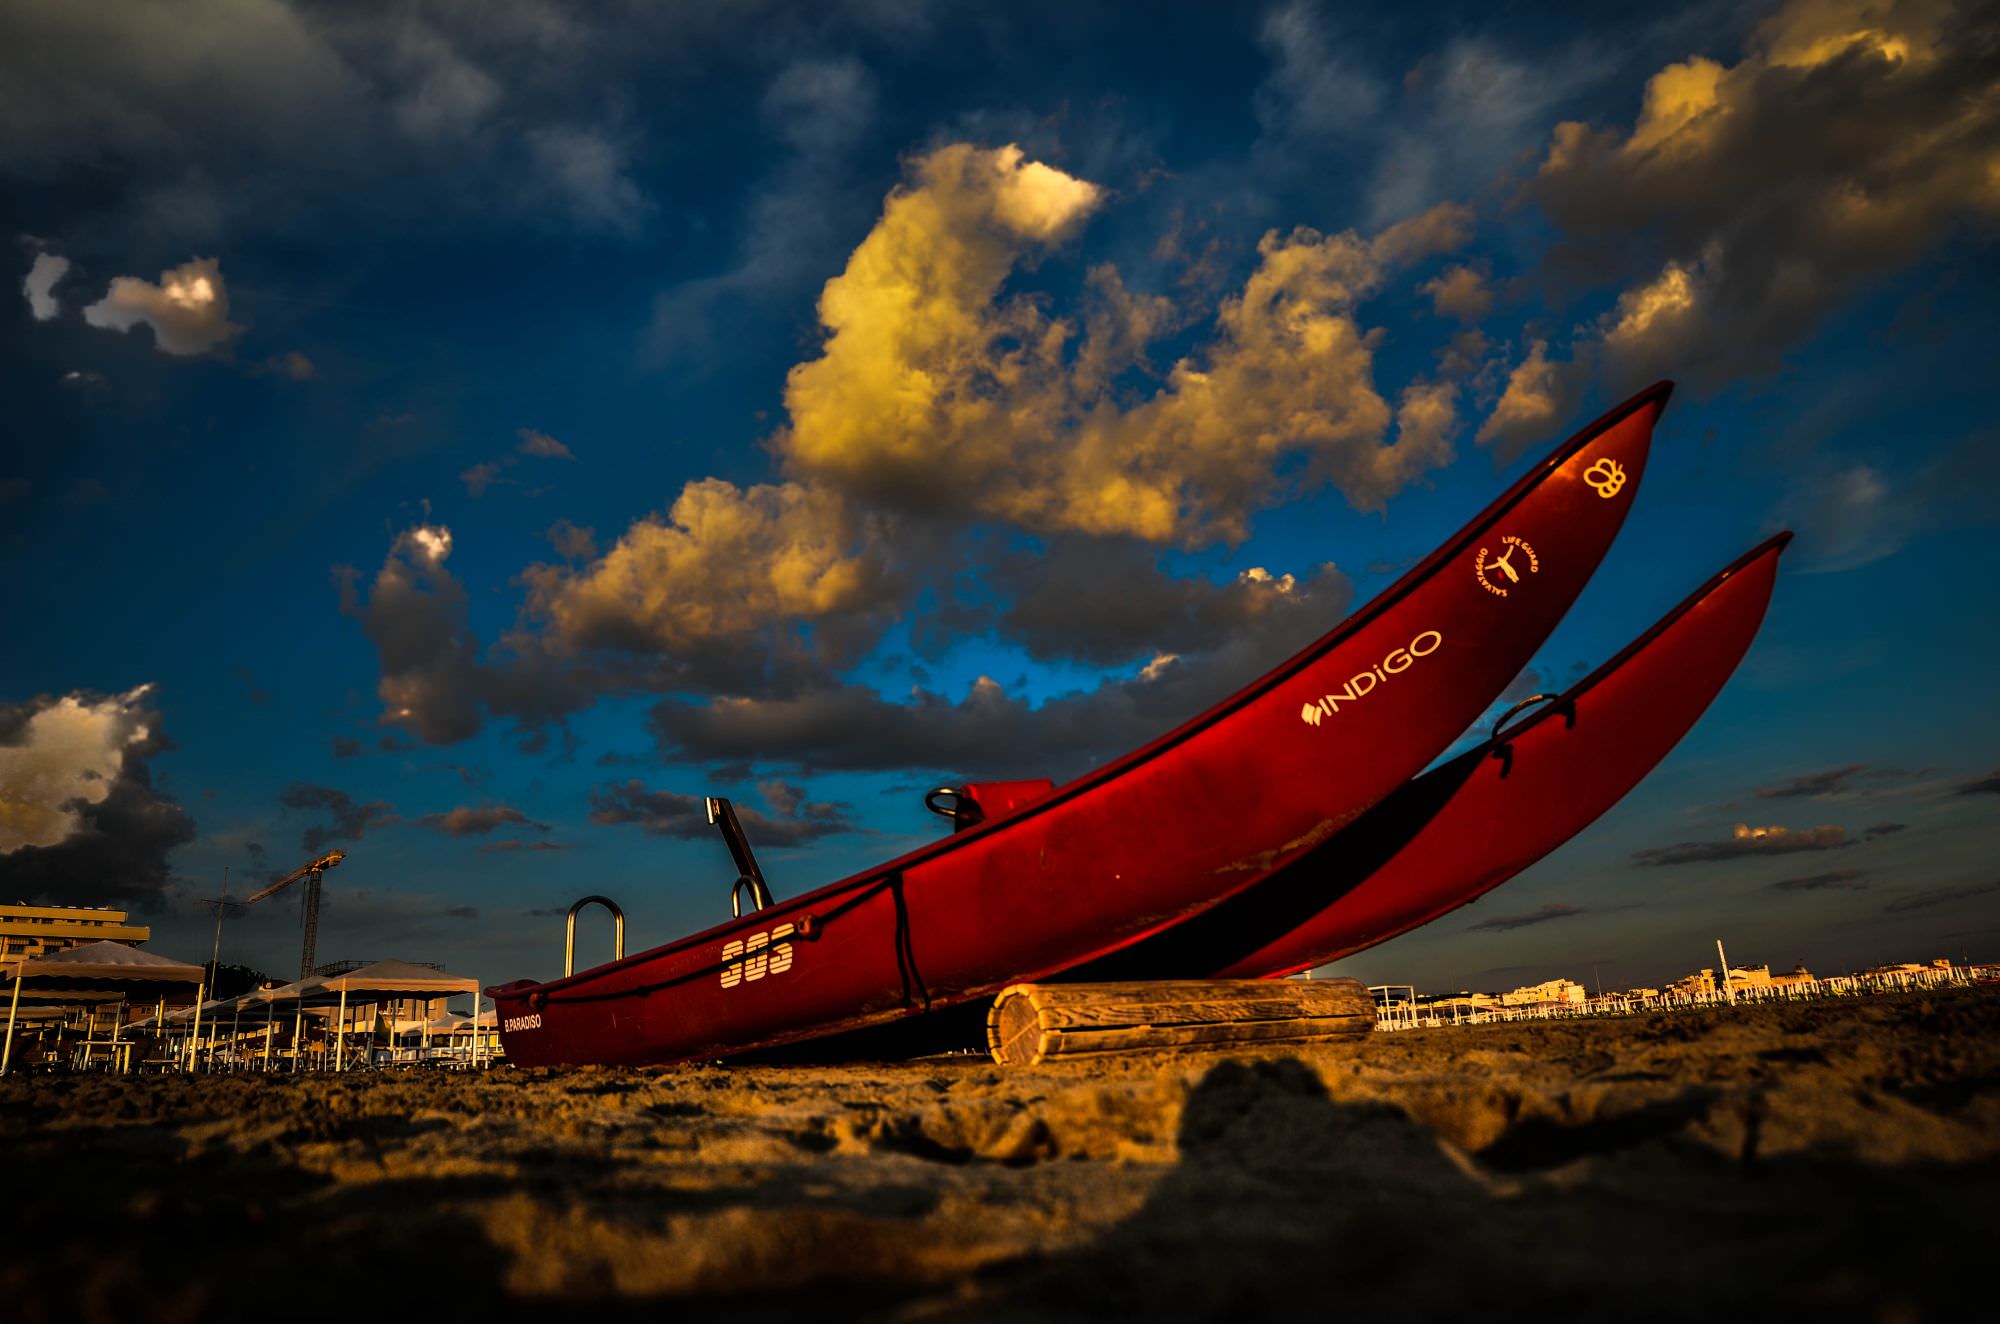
{"type": "Point", "coordinates": [31, 931]}
{"type": "Point", "coordinates": [1555, 990]}
{"type": "Point", "coordinates": [1741, 979]}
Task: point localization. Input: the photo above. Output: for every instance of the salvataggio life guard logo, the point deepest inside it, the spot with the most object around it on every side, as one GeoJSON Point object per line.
{"type": "Point", "coordinates": [1359, 687]}
{"type": "Point", "coordinates": [1498, 574]}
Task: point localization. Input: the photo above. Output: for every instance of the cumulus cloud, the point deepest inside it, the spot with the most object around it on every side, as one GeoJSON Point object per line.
{"type": "Point", "coordinates": [347, 818]}
{"type": "Point", "coordinates": [1746, 840]}
{"type": "Point", "coordinates": [1540, 394]}
{"type": "Point", "coordinates": [480, 477]}
{"type": "Point", "coordinates": [1505, 923]}
{"type": "Point", "coordinates": [80, 819]}
{"type": "Point", "coordinates": [792, 820]}
{"type": "Point", "coordinates": [542, 446]}
{"type": "Point", "coordinates": [469, 821]}
{"type": "Point", "coordinates": [609, 626]}
{"type": "Point", "coordinates": [833, 727]}
{"type": "Point", "coordinates": [188, 310]}
{"type": "Point", "coordinates": [927, 358]}
{"type": "Point", "coordinates": [415, 614]}
{"type": "Point", "coordinates": [40, 284]}
{"type": "Point", "coordinates": [726, 563]}
{"type": "Point", "coordinates": [1748, 200]}
{"type": "Point", "coordinates": [1040, 608]}
{"type": "Point", "coordinates": [940, 400]}
{"type": "Point", "coordinates": [1460, 293]}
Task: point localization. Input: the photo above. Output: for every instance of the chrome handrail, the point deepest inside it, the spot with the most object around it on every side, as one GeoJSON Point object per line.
{"type": "Point", "coordinates": [569, 937]}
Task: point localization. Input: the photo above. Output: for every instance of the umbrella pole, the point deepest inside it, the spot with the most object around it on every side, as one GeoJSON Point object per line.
{"type": "Point", "coordinates": [235, 1025]}
{"type": "Point", "coordinates": [424, 1040]}
{"type": "Point", "coordinates": [340, 1043]}
{"type": "Point", "coordinates": [299, 1036]}
{"type": "Point", "coordinates": [194, 1039]}
{"type": "Point", "coordinates": [13, 1006]}
{"type": "Point", "coordinates": [270, 1024]}
{"type": "Point", "coordinates": [117, 1022]}
{"type": "Point", "coordinates": [159, 1024]}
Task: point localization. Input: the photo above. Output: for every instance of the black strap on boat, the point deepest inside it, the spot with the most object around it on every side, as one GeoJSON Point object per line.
{"type": "Point", "coordinates": [723, 815]}
{"type": "Point", "coordinates": [1503, 749]}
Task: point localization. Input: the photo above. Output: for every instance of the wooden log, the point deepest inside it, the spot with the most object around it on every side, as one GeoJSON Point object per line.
{"type": "Point", "coordinates": [1033, 1023]}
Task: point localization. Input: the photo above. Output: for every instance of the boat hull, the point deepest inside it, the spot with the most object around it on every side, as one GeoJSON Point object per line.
{"type": "Point", "coordinates": [1145, 842]}
{"type": "Point", "coordinates": [1459, 831]}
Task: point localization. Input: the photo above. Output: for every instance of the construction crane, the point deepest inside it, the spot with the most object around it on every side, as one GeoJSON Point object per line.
{"type": "Point", "coordinates": [309, 917]}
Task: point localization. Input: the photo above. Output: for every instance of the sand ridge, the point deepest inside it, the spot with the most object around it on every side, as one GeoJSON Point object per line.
{"type": "Point", "coordinates": [1839, 1156]}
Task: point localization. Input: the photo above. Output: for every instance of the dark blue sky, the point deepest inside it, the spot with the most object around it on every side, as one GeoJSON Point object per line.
{"type": "Point", "coordinates": [483, 429]}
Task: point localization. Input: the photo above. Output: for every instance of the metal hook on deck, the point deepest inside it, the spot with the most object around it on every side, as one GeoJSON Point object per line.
{"type": "Point", "coordinates": [950, 811]}
{"type": "Point", "coordinates": [569, 936]}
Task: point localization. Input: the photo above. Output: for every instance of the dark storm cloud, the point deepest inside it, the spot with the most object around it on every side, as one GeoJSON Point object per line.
{"type": "Point", "coordinates": [436, 682]}
{"type": "Point", "coordinates": [1748, 841]}
{"type": "Point", "coordinates": [1939, 896]}
{"type": "Point", "coordinates": [1884, 829]}
{"type": "Point", "coordinates": [415, 615]}
{"type": "Point", "coordinates": [1839, 879]}
{"type": "Point", "coordinates": [1987, 785]}
{"type": "Point", "coordinates": [462, 912]}
{"type": "Point", "coordinates": [1250, 622]}
{"type": "Point", "coordinates": [349, 820]}
{"type": "Point", "coordinates": [792, 820]}
{"type": "Point", "coordinates": [81, 822]}
{"type": "Point", "coordinates": [346, 747]}
{"type": "Point", "coordinates": [1106, 601]}
{"type": "Point", "coordinates": [1751, 200]}
{"type": "Point", "coordinates": [493, 114]}
{"type": "Point", "coordinates": [1504, 923]}
{"type": "Point", "coordinates": [466, 821]}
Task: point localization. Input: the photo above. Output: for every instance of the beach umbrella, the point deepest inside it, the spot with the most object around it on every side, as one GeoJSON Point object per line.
{"type": "Point", "coordinates": [99, 971]}
{"type": "Point", "coordinates": [391, 979]}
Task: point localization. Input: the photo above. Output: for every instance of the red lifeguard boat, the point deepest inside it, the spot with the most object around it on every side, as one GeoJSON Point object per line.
{"type": "Point", "coordinates": [1064, 876]}
{"type": "Point", "coordinates": [1459, 831]}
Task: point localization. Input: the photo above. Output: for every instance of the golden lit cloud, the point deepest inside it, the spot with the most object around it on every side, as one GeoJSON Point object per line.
{"type": "Point", "coordinates": [188, 310]}
{"type": "Point", "coordinates": [1750, 199]}
{"type": "Point", "coordinates": [935, 391]}
{"type": "Point", "coordinates": [725, 562]}
{"type": "Point", "coordinates": [67, 755]}
{"type": "Point", "coordinates": [1539, 395]}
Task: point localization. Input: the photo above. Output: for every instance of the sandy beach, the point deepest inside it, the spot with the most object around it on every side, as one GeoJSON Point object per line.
{"type": "Point", "coordinates": [1837, 1157]}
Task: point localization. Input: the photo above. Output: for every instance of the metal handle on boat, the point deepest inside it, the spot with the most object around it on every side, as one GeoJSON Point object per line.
{"type": "Point", "coordinates": [931, 802]}
{"type": "Point", "coordinates": [569, 936]}
{"type": "Point", "coordinates": [1526, 703]}
{"type": "Point", "coordinates": [759, 897]}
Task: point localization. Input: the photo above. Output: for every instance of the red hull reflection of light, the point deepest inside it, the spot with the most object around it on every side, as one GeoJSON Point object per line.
{"type": "Point", "coordinates": [1458, 832]}
{"type": "Point", "coordinates": [1143, 842]}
